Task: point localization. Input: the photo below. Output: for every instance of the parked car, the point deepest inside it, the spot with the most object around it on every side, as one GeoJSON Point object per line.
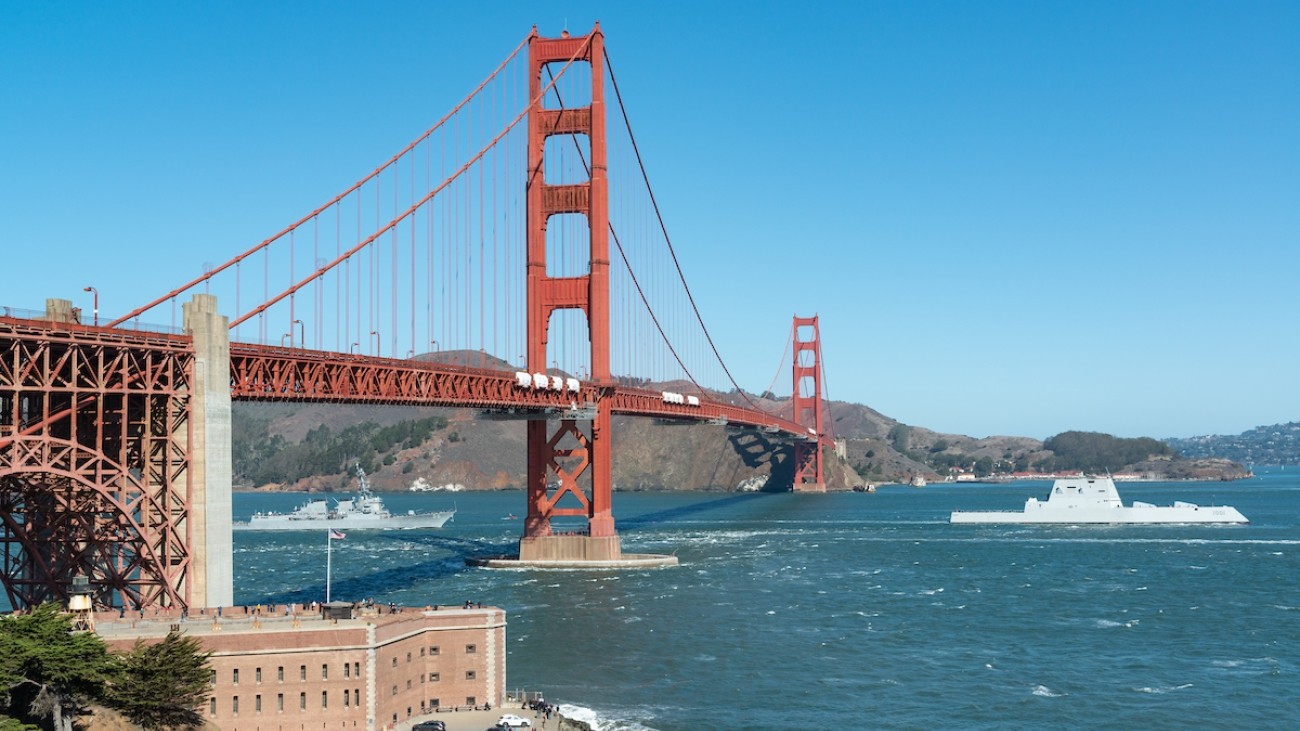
{"type": "Point", "coordinates": [429, 726]}
{"type": "Point", "coordinates": [510, 720]}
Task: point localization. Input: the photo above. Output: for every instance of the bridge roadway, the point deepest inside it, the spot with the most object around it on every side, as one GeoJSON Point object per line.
{"type": "Point", "coordinates": [269, 373]}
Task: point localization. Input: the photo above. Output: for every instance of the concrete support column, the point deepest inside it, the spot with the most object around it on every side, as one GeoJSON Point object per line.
{"type": "Point", "coordinates": [212, 582]}
{"type": "Point", "coordinates": [59, 310]}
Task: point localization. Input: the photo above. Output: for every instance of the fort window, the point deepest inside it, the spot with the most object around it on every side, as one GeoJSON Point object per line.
{"type": "Point", "coordinates": [408, 657]}
{"type": "Point", "coordinates": [433, 702]}
{"type": "Point", "coordinates": [324, 699]}
{"type": "Point", "coordinates": [433, 649]}
{"type": "Point", "coordinates": [212, 677]}
{"type": "Point", "coordinates": [279, 702]}
{"type": "Point", "coordinates": [234, 676]}
{"type": "Point", "coordinates": [279, 674]}
{"type": "Point", "coordinates": [433, 677]}
{"type": "Point", "coordinates": [302, 701]}
{"type": "Point", "coordinates": [408, 683]}
{"type": "Point", "coordinates": [394, 690]}
{"type": "Point", "coordinates": [471, 649]}
{"type": "Point", "coordinates": [469, 701]}
{"type": "Point", "coordinates": [356, 669]}
{"type": "Point", "coordinates": [421, 652]}
{"type": "Point", "coordinates": [302, 672]}
{"type": "Point", "coordinates": [257, 675]}
{"type": "Point", "coordinates": [234, 705]}
{"type": "Point", "coordinates": [257, 703]}
{"type": "Point", "coordinates": [347, 669]}
{"type": "Point", "coordinates": [347, 697]}
{"type": "Point", "coordinates": [324, 672]}
{"type": "Point", "coordinates": [469, 674]}
{"type": "Point", "coordinates": [212, 706]}
{"type": "Point", "coordinates": [394, 661]}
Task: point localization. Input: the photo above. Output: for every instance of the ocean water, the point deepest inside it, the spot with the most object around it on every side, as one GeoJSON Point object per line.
{"type": "Point", "coordinates": [862, 611]}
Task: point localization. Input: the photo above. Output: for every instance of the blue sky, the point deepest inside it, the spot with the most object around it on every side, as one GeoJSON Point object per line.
{"type": "Point", "coordinates": [1012, 218]}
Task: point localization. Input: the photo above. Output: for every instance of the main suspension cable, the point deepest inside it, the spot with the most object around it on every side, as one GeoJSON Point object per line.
{"type": "Point", "coordinates": [663, 227]}
{"type": "Point", "coordinates": [208, 275]}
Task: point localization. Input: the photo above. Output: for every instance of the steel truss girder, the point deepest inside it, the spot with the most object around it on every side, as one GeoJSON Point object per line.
{"type": "Point", "coordinates": [260, 373]}
{"type": "Point", "coordinates": [94, 460]}
{"type": "Point", "coordinates": [638, 402]}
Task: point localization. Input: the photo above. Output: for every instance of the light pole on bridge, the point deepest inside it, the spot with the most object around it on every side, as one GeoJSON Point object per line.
{"type": "Point", "coordinates": [302, 331]}
{"type": "Point", "coordinates": [375, 335]}
{"type": "Point", "coordinates": [94, 292]}
{"type": "Point", "coordinates": [353, 348]}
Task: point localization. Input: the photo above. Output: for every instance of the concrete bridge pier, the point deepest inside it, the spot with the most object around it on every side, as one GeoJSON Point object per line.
{"type": "Point", "coordinates": [211, 548]}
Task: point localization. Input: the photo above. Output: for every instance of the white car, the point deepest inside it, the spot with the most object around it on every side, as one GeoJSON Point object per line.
{"type": "Point", "coordinates": [512, 721]}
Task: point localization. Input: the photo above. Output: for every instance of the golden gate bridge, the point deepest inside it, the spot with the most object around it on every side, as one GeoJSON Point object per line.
{"type": "Point", "coordinates": [512, 259]}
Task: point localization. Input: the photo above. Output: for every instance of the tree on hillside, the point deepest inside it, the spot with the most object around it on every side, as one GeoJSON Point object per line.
{"type": "Point", "coordinates": [900, 436]}
{"type": "Point", "coordinates": [163, 685]}
{"type": "Point", "coordinates": [1094, 452]}
{"type": "Point", "coordinates": [46, 669]}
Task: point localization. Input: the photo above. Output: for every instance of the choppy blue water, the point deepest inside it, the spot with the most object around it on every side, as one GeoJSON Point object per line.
{"type": "Point", "coordinates": [864, 611]}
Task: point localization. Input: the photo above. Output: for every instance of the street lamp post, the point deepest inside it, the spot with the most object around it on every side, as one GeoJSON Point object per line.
{"type": "Point", "coordinates": [94, 292]}
{"type": "Point", "coordinates": [284, 337]}
{"type": "Point", "coordinates": [302, 331]}
{"type": "Point", "coordinates": [353, 348]}
{"type": "Point", "coordinates": [375, 334]}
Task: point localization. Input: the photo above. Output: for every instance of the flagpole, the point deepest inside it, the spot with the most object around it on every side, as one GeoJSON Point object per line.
{"type": "Point", "coordinates": [329, 553]}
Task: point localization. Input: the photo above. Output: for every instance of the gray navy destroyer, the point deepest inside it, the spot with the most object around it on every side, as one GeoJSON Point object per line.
{"type": "Point", "coordinates": [1085, 500]}
{"type": "Point", "coordinates": [364, 512]}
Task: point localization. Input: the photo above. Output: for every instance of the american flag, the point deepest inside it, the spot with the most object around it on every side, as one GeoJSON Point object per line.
{"type": "Point", "coordinates": [336, 535]}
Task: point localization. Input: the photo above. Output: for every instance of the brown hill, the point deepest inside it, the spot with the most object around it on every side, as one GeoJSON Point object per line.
{"type": "Point", "coordinates": [486, 453]}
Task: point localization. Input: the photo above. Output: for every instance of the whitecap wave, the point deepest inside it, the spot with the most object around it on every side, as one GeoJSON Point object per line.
{"type": "Point", "coordinates": [1042, 691]}
{"type": "Point", "coordinates": [1160, 690]}
{"type": "Point", "coordinates": [602, 721]}
{"type": "Point", "coordinates": [1109, 623]}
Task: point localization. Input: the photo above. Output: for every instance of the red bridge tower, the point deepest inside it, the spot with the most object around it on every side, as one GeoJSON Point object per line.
{"type": "Point", "coordinates": [807, 400]}
{"type": "Point", "coordinates": [560, 462]}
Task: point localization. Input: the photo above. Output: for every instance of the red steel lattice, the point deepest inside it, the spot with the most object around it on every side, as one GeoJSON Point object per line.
{"type": "Point", "coordinates": [94, 431]}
